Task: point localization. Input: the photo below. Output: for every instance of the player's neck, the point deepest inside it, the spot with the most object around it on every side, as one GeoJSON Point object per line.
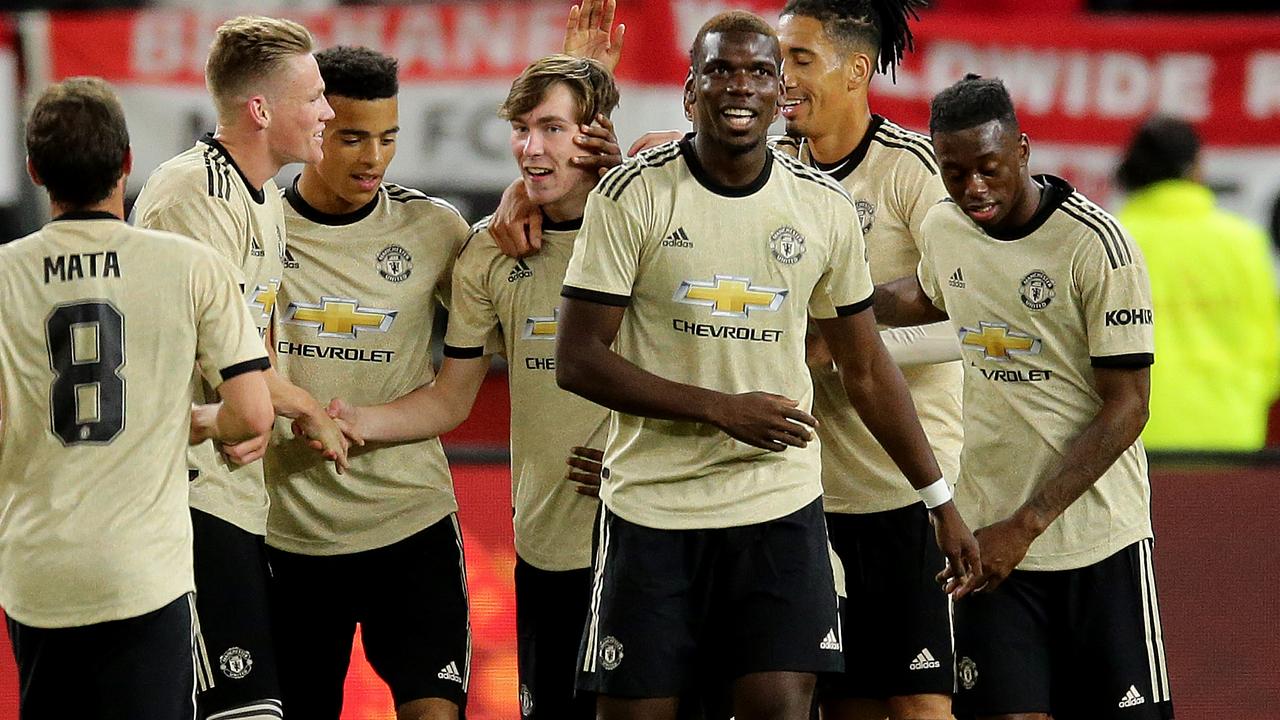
{"type": "Point", "coordinates": [114, 204]}
{"type": "Point", "coordinates": [844, 133]}
{"type": "Point", "coordinates": [728, 167]}
{"type": "Point", "coordinates": [250, 152]}
{"type": "Point", "coordinates": [317, 194]}
{"type": "Point", "coordinates": [570, 207]}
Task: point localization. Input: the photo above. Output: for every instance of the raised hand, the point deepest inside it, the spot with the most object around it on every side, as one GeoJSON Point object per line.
{"type": "Point", "coordinates": [601, 142]}
{"type": "Point", "coordinates": [590, 34]}
{"type": "Point", "coordinates": [765, 420]}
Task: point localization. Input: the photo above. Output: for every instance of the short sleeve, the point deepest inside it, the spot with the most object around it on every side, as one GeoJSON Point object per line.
{"type": "Point", "coordinates": [474, 329]}
{"type": "Point", "coordinates": [925, 272]}
{"type": "Point", "coordinates": [205, 219]}
{"type": "Point", "coordinates": [607, 255]}
{"type": "Point", "coordinates": [845, 287]}
{"type": "Point", "coordinates": [921, 189]}
{"type": "Point", "coordinates": [227, 341]}
{"type": "Point", "coordinates": [1116, 294]}
{"type": "Point", "coordinates": [454, 231]}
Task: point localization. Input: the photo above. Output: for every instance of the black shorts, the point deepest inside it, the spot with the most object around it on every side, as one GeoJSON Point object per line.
{"type": "Point", "coordinates": [738, 600]}
{"type": "Point", "coordinates": [1078, 644]}
{"type": "Point", "coordinates": [235, 657]}
{"type": "Point", "coordinates": [897, 620]}
{"type": "Point", "coordinates": [551, 611]}
{"type": "Point", "coordinates": [140, 668]}
{"type": "Point", "coordinates": [410, 601]}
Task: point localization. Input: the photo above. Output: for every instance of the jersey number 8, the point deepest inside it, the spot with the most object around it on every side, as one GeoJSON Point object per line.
{"type": "Point", "coordinates": [86, 352]}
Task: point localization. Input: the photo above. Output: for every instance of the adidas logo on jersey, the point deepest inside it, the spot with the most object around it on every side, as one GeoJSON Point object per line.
{"type": "Point", "coordinates": [1131, 698]}
{"type": "Point", "coordinates": [287, 259]}
{"type": "Point", "coordinates": [830, 642]}
{"type": "Point", "coordinates": [957, 279]}
{"type": "Point", "coordinates": [924, 661]}
{"type": "Point", "coordinates": [520, 271]}
{"type": "Point", "coordinates": [678, 239]}
{"type": "Point", "coordinates": [450, 672]}
{"type": "Point", "coordinates": [255, 248]}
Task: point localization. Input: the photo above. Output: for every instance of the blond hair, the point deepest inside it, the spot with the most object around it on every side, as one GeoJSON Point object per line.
{"type": "Point", "coordinates": [248, 49]}
{"type": "Point", "coordinates": [592, 86]}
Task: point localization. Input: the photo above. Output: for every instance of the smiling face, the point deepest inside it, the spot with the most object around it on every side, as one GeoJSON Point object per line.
{"type": "Point", "coordinates": [817, 76]}
{"type": "Point", "coordinates": [359, 144]}
{"type": "Point", "coordinates": [298, 111]}
{"type": "Point", "coordinates": [984, 169]}
{"type": "Point", "coordinates": [542, 144]}
{"type": "Point", "coordinates": [735, 88]}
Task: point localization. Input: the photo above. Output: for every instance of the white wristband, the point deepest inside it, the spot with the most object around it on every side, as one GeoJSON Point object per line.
{"type": "Point", "coordinates": [936, 493]}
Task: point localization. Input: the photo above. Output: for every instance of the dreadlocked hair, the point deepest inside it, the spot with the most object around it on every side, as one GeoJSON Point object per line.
{"type": "Point", "coordinates": [969, 103]}
{"type": "Point", "coordinates": [881, 25]}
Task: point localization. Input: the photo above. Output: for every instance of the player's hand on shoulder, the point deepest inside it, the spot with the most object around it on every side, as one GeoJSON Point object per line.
{"type": "Point", "coordinates": [590, 33]}
{"type": "Point", "coordinates": [765, 420]}
{"type": "Point", "coordinates": [1004, 544]}
{"type": "Point", "coordinates": [586, 466]}
{"type": "Point", "coordinates": [243, 453]}
{"type": "Point", "coordinates": [601, 142]}
{"type": "Point", "coordinates": [653, 138]}
{"type": "Point", "coordinates": [963, 571]}
{"type": "Point", "coordinates": [516, 226]}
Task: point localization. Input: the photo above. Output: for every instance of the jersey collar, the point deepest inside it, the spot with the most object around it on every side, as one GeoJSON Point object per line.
{"type": "Point", "coordinates": [550, 225]}
{"type": "Point", "coordinates": [300, 205]}
{"type": "Point", "coordinates": [705, 180]}
{"type": "Point", "coordinates": [86, 215]}
{"type": "Point", "coordinates": [845, 166]}
{"type": "Point", "coordinates": [258, 195]}
{"type": "Point", "coordinates": [1053, 192]}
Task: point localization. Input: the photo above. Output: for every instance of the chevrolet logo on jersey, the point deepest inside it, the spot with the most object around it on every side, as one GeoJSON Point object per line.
{"type": "Point", "coordinates": [263, 298]}
{"type": "Point", "coordinates": [542, 328]}
{"type": "Point", "coordinates": [730, 296]}
{"type": "Point", "coordinates": [338, 317]}
{"type": "Point", "coordinates": [998, 342]}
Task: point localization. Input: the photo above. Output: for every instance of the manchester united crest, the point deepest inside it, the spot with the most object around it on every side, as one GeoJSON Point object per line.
{"type": "Point", "coordinates": [866, 215]}
{"type": "Point", "coordinates": [395, 263]}
{"type": "Point", "coordinates": [787, 245]}
{"type": "Point", "coordinates": [1037, 290]}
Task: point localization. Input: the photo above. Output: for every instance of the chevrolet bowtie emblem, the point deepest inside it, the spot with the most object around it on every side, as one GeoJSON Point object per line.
{"type": "Point", "coordinates": [998, 342]}
{"type": "Point", "coordinates": [339, 317]}
{"type": "Point", "coordinates": [542, 328]}
{"type": "Point", "coordinates": [730, 296]}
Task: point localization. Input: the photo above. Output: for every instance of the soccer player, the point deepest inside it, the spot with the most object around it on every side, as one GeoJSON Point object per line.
{"type": "Point", "coordinates": [684, 310]}
{"type": "Point", "coordinates": [95, 537]}
{"type": "Point", "coordinates": [271, 111]}
{"type": "Point", "coordinates": [378, 546]}
{"type": "Point", "coordinates": [1050, 300]}
{"type": "Point", "coordinates": [500, 304]}
{"type": "Point", "coordinates": [902, 664]}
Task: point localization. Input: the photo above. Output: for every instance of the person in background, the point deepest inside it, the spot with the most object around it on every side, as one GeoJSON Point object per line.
{"type": "Point", "coordinates": [1214, 291]}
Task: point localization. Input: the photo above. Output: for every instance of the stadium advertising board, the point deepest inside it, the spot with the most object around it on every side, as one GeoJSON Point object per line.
{"type": "Point", "coordinates": [1080, 84]}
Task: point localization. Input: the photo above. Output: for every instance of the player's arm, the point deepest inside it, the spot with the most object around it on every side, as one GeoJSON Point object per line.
{"type": "Point", "coordinates": [426, 412]}
{"type": "Point", "coordinates": [244, 413]}
{"type": "Point", "coordinates": [586, 365]}
{"type": "Point", "coordinates": [1115, 427]}
{"type": "Point", "coordinates": [308, 415]}
{"type": "Point", "coordinates": [875, 388]}
{"type": "Point", "coordinates": [904, 302]}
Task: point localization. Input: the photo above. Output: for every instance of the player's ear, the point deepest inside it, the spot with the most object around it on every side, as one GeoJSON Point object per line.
{"type": "Point", "coordinates": [127, 166]}
{"type": "Point", "coordinates": [1024, 150]}
{"type": "Point", "coordinates": [31, 172]}
{"type": "Point", "coordinates": [259, 112]}
{"type": "Point", "coordinates": [688, 95]}
{"type": "Point", "coordinates": [858, 71]}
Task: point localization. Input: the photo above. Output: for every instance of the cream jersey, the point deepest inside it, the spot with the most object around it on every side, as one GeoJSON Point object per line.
{"type": "Point", "coordinates": [355, 321]}
{"type": "Point", "coordinates": [717, 283]}
{"type": "Point", "coordinates": [1036, 311]}
{"type": "Point", "coordinates": [106, 325]}
{"type": "Point", "coordinates": [203, 194]}
{"type": "Point", "coordinates": [893, 179]}
{"type": "Point", "coordinates": [518, 300]}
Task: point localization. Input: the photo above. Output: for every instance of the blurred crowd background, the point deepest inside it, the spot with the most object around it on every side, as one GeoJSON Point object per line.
{"type": "Point", "coordinates": [1165, 112]}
